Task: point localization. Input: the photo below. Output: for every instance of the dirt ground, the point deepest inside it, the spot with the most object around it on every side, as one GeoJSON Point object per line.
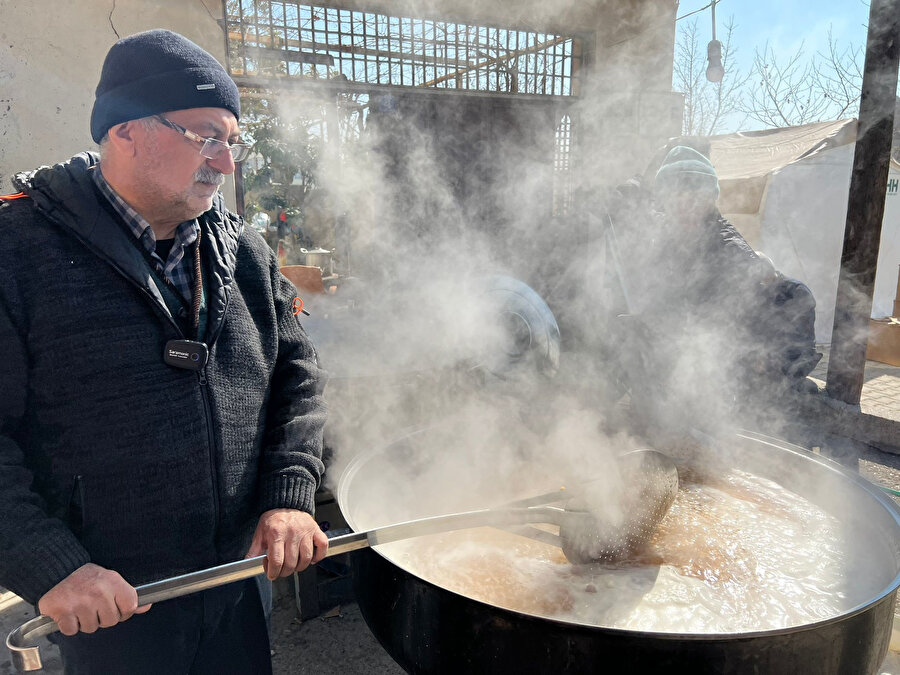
{"type": "Point", "coordinates": [336, 643]}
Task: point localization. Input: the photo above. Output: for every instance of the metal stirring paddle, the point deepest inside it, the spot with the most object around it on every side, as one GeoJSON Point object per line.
{"type": "Point", "coordinates": [585, 536]}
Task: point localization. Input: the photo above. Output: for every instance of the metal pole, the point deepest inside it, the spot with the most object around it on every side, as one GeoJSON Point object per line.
{"type": "Point", "coordinates": [239, 190]}
{"type": "Point", "coordinates": [865, 206]}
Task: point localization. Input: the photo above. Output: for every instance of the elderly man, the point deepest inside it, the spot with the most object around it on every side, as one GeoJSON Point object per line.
{"type": "Point", "coordinates": [161, 409]}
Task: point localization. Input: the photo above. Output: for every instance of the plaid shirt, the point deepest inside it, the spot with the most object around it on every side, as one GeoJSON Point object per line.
{"type": "Point", "coordinates": [178, 268]}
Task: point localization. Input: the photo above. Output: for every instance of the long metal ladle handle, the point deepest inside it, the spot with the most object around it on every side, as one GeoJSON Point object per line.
{"type": "Point", "coordinates": [26, 656]}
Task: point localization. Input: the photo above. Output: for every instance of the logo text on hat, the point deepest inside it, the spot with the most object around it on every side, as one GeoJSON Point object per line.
{"type": "Point", "coordinates": [203, 87]}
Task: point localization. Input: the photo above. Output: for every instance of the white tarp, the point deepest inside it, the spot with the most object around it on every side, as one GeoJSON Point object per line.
{"type": "Point", "coordinates": [787, 191]}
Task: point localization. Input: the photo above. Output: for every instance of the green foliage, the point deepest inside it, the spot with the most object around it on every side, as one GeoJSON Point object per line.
{"type": "Point", "coordinates": [282, 170]}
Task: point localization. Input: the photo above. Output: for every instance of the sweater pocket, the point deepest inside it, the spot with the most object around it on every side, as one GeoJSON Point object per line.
{"type": "Point", "coordinates": [75, 508]}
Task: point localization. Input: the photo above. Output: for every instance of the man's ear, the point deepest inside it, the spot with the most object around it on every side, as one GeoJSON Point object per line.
{"type": "Point", "coordinates": [122, 137]}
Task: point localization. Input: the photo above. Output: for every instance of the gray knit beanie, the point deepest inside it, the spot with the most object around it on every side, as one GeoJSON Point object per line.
{"type": "Point", "coordinates": [157, 71]}
{"type": "Point", "coordinates": [686, 169]}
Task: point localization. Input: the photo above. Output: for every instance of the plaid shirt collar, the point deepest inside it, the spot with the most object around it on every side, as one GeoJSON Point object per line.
{"type": "Point", "coordinates": [178, 268]}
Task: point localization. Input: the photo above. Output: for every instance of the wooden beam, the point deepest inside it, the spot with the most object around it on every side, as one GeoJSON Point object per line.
{"type": "Point", "coordinates": [308, 84]}
{"type": "Point", "coordinates": [278, 52]}
{"type": "Point", "coordinates": [865, 206]}
{"type": "Point", "coordinates": [509, 56]}
{"type": "Point", "coordinates": [896, 313]}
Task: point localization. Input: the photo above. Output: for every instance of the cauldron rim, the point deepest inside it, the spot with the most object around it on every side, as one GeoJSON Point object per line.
{"type": "Point", "coordinates": [867, 486]}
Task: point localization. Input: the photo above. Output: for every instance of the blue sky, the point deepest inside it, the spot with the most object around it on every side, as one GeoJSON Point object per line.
{"type": "Point", "coordinates": [784, 23]}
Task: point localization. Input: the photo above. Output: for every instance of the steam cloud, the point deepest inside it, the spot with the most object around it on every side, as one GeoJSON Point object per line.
{"type": "Point", "coordinates": [432, 205]}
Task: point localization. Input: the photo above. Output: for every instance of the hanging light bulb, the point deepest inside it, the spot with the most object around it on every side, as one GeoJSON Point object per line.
{"type": "Point", "coordinates": [715, 71]}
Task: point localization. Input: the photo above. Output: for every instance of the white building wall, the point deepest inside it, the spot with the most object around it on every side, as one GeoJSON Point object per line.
{"type": "Point", "coordinates": [889, 253]}
{"type": "Point", "coordinates": [51, 52]}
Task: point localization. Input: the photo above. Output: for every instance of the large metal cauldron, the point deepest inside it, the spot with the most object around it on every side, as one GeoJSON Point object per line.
{"type": "Point", "coordinates": [428, 629]}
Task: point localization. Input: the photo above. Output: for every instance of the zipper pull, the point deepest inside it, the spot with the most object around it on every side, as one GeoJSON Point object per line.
{"type": "Point", "coordinates": [202, 374]}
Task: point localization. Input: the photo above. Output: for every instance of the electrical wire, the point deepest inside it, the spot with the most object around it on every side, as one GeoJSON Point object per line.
{"type": "Point", "coordinates": [659, 25]}
{"type": "Point", "coordinates": [697, 11]}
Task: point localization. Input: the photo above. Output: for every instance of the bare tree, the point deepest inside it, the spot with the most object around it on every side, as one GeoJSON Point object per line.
{"type": "Point", "coordinates": [783, 93]}
{"type": "Point", "coordinates": [838, 78]}
{"type": "Point", "coordinates": [708, 106]}
{"type": "Point", "coordinates": [800, 90]}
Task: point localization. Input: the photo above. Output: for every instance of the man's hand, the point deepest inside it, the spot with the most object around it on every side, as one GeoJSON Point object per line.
{"type": "Point", "coordinates": [291, 539]}
{"type": "Point", "coordinates": [89, 598]}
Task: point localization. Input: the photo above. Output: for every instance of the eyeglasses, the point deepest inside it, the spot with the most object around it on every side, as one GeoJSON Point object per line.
{"type": "Point", "coordinates": [212, 148]}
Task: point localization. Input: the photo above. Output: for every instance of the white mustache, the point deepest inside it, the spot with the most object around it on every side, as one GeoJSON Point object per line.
{"type": "Point", "coordinates": [206, 174]}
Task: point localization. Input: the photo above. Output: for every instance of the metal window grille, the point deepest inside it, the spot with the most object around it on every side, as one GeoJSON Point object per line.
{"type": "Point", "coordinates": [275, 38]}
{"type": "Point", "coordinates": [562, 168]}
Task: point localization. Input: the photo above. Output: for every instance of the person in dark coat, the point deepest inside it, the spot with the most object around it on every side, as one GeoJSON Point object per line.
{"type": "Point", "coordinates": [712, 316]}
{"type": "Point", "coordinates": [161, 409]}
{"type": "Point", "coordinates": [785, 332]}
{"type": "Point", "coordinates": [717, 272]}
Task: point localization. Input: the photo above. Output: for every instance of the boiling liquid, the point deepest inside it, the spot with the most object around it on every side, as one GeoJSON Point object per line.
{"type": "Point", "coordinates": [734, 554]}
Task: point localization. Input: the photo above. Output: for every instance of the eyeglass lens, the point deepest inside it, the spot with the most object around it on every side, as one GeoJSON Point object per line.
{"type": "Point", "coordinates": [213, 149]}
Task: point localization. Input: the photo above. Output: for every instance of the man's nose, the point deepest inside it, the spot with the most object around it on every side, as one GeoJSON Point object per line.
{"type": "Point", "coordinates": [224, 163]}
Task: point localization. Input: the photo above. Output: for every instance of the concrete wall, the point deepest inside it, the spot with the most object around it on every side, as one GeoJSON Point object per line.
{"type": "Point", "coordinates": [628, 108]}
{"type": "Point", "coordinates": [51, 53]}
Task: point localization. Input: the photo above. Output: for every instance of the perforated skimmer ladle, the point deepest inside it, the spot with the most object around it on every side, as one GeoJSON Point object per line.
{"type": "Point", "coordinates": [603, 527]}
{"type": "Point", "coordinates": [650, 484]}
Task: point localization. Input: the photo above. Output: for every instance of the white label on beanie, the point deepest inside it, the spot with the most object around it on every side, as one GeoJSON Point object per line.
{"type": "Point", "coordinates": [203, 87]}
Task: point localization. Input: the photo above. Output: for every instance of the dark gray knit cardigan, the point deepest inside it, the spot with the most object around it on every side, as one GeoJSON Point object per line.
{"type": "Point", "coordinates": [109, 455]}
